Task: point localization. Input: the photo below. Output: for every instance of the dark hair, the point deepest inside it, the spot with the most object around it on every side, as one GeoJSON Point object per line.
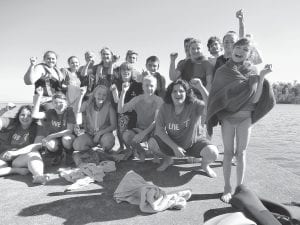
{"type": "Point", "coordinates": [212, 40]}
{"type": "Point", "coordinates": [187, 40]}
{"type": "Point", "coordinates": [190, 97]}
{"type": "Point", "coordinates": [16, 118]}
{"type": "Point", "coordinates": [129, 53]}
{"type": "Point", "coordinates": [71, 57]}
{"type": "Point", "coordinates": [152, 58]}
{"type": "Point", "coordinates": [106, 48]}
{"type": "Point", "coordinates": [243, 41]}
{"type": "Point", "coordinates": [49, 52]}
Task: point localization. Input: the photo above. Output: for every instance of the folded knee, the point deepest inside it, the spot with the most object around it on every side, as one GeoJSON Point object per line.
{"type": "Point", "coordinates": [211, 152]}
{"type": "Point", "coordinates": [107, 141]}
{"type": "Point", "coordinates": [67, 141]}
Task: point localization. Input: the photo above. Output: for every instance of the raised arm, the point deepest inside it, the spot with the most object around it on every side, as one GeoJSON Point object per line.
{"type": "Point", "coordinates": [121, 106]}
{"type": "Point", "coordinates": [196, 83]}
{"type": "Point", "coordinates": [240, 15]}
{"type": "Point", "coordinates": [34, 72]}
{"type": "Point", "coordinates": [174, 74]}
{"type": "Point", "coordinates": [115, 93]}
{"type": "Point", "coordinates": [78, 111]}
{"type": "Point", "coordinates": [36, 108]}
{"type": "Point", "coordinates": [266, 70]}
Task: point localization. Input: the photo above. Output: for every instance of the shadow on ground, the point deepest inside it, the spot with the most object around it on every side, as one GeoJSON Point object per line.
{"type": "Point", "coordinates": [98, 205]}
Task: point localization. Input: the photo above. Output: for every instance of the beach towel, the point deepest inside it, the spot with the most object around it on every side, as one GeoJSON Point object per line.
{"type": "Point", "coordinates": [87, 173]}
{"type": "Point", "coordinates": [232, 89]}
{"type": "Point", "coordinates": [150, 198]}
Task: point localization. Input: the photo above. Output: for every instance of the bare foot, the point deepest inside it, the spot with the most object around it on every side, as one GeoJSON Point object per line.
{"type": "Point", "coordinates": [166, 163]}
{"type": "Point", "coordinates": [209, 171]}
{"type": "Point", "coordinates": [226, 197]}
{"type": "Point", "coordinates": [21, 171]}
{"type": "Point", "coordinates": [41, 179]}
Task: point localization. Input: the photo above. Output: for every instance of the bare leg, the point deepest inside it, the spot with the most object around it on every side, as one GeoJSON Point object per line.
{"type": "Point", "coordinates": [209, 154]}
{"type": "Point", "coordinates": [242, 139]}
{"type": "Point", "coordinates": [167, 160]}
{"type": "Point", "coordinates": [228, 134]}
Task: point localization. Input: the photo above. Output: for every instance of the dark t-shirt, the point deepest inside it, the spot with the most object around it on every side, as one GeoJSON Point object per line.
{"type": "Point", "coordinates": [14, 136]}
{"type": "Point", "coordinates": [127, 120]}
{"type": "Point", "coordinates": [58, 122]}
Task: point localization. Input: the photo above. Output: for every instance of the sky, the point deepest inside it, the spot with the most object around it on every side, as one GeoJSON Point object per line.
{"type": "Point", "coordinates": [157, 27]}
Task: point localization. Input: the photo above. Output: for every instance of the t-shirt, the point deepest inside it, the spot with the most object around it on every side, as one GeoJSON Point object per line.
{"type": "Point", "coordinates": [145, 111]}
{"type": "Point", "coordinates": [58, 122]}
{"type": "Point", "coordinates": [127, 120]}
{"type": "Point", "coordinates": [185, 128]}
{"type": "Point", "coordinates": [15, 135]}
{"type": "Point", "coordinates": [190, 69]}
{"type": "Point", "coordinates": [135, 89]}
{"type": "Point", "coordinates": [96, 119]}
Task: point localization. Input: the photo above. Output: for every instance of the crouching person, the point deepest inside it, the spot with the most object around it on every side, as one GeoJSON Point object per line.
{"type": "Point", "coordinates": [99, 121]}
{"type": "Point", "coordinates": [58, 125]}
{"type": "Point", "coordinates": [178, 127]}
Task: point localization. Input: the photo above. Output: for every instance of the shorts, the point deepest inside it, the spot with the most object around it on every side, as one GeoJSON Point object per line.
{"type": "Point", "coordinates": [194, 150]}
{"type": "Point", "coordinates": [238, 117]}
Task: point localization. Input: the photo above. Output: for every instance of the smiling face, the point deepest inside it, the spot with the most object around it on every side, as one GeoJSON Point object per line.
{"type": "Point", "coordinates": [100, 95]}
{"type": "Point", "coordinates": [178, 95]}
{"type": "Point", "coordinates": [132, 58]}
{"type": "Point", "coordinates": [240, 53]}
{"type": "Point", "coordinates": [50, 59]}
{"type": "Point", "coordinates": [152, 66]}
{"type": "Point", "coordinates": [228, 43]}
{"type": "Point", "coordinates": [106, 55]}
{"type": "Point", "coordinates": [126, 75]}
{"type": "Point", "coordinates": [89, 56]}
{"type": "Point", "coordinates": [196, 50]}
{"type": "Point", "coordinates": [215, 48]}
{"type": "Point", "coordinates": [149, 85]}
{"type": "Point", "coordinates": [74, 63]}
{"type": "Point", "coordinates": [60, 105]}
{"type": "Point", "coordinates": [25, 117]}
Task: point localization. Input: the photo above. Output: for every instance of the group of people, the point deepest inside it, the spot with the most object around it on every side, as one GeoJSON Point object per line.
{"type": "Point", "coordinates": [108, 104]}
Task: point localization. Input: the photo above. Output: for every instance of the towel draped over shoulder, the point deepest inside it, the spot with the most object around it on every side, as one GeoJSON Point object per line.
{"type": "Point", "coordinates": [233, 87]}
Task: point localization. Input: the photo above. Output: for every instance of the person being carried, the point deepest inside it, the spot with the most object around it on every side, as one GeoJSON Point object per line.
{"type": "Point", "coordinates": [239, 97]}
{"type": "Point", "coordinates": [146, 107]}
{"type": "Point", "coordinates": [178, 127]}
{"type": "Point", "coordinates": [58, 123]}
